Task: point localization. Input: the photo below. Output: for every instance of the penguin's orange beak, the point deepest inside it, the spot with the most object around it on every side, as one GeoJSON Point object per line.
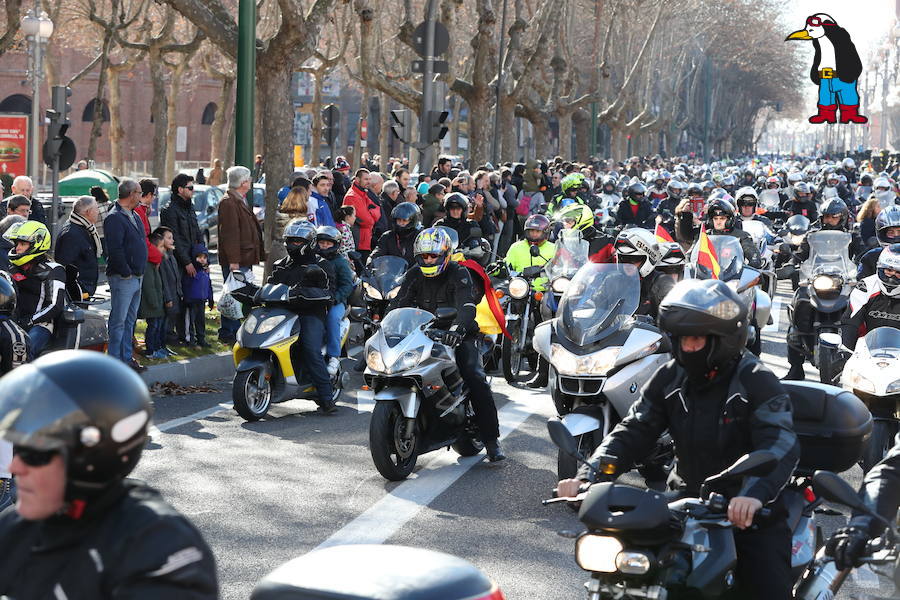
{"type": "Point", "coordinates": [799, 35]}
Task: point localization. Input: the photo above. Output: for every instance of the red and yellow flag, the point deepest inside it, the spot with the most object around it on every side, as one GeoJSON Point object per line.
{"type": "Point", "coordinates": [489, 295]}
{"type": "Point", "coordinates": [662, 234]}
{"type": "Point", "coordinates": [706, 256]}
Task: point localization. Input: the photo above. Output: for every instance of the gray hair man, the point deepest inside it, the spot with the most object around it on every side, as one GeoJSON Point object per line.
{"type": "Point", "coordinates": [23, 186]}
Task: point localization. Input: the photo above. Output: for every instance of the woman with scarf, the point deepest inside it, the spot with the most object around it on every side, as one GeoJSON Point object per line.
{"type": "Point", "coordinates": [79, 243]}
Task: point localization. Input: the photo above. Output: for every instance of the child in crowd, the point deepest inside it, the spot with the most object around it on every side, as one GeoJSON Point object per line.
{"type": "Point", "coordinates": [171, 279]}
{"type": "Point", "coordinates": [197, 292]}
{"type": "Point", "coordinates": [152, 307]}
{"type": "Point", "coordinates": [347, 247]}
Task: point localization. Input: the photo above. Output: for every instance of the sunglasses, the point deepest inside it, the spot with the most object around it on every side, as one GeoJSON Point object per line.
{"type": "Point", "coordinates": [188, 187]}
{"type": "Point", "coordinates": [817, 22]}
{"type": "Point", "coordinates": [429, 256]}
{"type": "Point", "coordinates": [34, 458]}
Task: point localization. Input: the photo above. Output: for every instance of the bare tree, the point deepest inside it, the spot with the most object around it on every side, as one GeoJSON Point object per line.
{"type": "Point", "coordinates": [13, 15]}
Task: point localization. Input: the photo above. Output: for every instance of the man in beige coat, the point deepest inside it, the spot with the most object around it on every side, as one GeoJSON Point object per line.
{"type": "Point", "coordinates": [240, 237]}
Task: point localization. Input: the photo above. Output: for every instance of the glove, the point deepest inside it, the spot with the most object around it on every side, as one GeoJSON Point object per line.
{"type": "Point", "coordinates": [847, 546]}
{"type": "Point", "coordinates": [451, 338]}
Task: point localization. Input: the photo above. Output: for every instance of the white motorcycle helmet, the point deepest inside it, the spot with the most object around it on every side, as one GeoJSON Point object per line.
{"type": "Point", "coordinates": [638, 247]}
{"type": "Point", "coordinates": [889, 259]}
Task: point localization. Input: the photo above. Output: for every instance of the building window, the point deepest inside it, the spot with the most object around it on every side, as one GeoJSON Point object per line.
{"type": "Point", "coordinates": [17, 103]}
{"type": "Point", "coordinates": [88, 115]}
{"type": "Point", "coordinates": [209, 114]}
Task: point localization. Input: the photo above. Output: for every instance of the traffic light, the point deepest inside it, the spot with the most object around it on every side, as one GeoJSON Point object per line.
{"type": "Point", "coordinates": [60, 102]}
{"type": "Point", "coordinates": [59, 150]}
{"type": "Point", "coordinates": [400, 125]}
{"type": "Point", "coordinates": [436, 128]}
{"type": "Point", "coordinates": [331, 123]}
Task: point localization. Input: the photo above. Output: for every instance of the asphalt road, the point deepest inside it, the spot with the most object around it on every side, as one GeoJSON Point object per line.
{"type": "Point", "coordinates": [263, 493]}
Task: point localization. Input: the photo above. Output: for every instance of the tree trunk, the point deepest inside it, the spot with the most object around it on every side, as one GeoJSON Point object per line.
{"type": "Point", "coordinates": [172, 130]}
{"type": "Point", "coordinates": [315, 136]}
{"type": "Point", "coordinates": [564, 118]}
{"type": "Point", "coordinates": [541, 126]}
{"type": "Point", "coordinates": [218, 140]}
{"type": "Point", "coordinates": [508, 141]}
{"type": "Point", "coordinates": [479, 127]}
{"type": "Point", "coordinates": [159, 108]}
{"type": "Point", "coordinates": [582, 121]}
{"type": "Point", "coordinates": [385, 135]}
{"type": "Point", "coordinates": [116, 131]}
{"type": "Point", "coordinates": [97, 125]}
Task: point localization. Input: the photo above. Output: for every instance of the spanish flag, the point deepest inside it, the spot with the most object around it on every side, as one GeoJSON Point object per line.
{"type": "Point", "coordinates": [489, 296]}
{"type": "Point", "coordinates": [662, 234]}
{"type": "Point", "coordinates": [706, 256]}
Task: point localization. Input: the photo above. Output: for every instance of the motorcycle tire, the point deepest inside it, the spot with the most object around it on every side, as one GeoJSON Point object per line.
{"type": "Point", "coordinates": [251, 393]}
{"type": "Point", "coordinates": [467, 446]}
{"type": "Point", "coordinates": [511, 362]}
{"type": "Point", "coordinates": [756, 346]}
{"type": "Point", "coordinates": [567, 466]}
{"type": "Point", "coordinates": [883, 433]}
{"type": "Point", "coordinates": [826, 365]}
{"type": "Point", "coordinates": [394, 458]}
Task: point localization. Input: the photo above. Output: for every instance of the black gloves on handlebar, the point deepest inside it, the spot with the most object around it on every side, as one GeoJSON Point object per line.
{"type": "Point", "coordinates": [847, 546]}
{"type": "Point", "coordinates": [451, 338]}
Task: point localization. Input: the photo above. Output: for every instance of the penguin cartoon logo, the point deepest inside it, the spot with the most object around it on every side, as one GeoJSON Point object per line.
{"type": "Point", "coordinates": [835, 69]}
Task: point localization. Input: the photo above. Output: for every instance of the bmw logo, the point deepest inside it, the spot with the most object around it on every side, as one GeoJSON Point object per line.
{"type": "Point", "coordinates": [633, 387]}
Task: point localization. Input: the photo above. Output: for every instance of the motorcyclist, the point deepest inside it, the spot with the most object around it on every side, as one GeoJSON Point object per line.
{"type": "Point", "coordinates": [719, 219]}
{"type": "Point", "coordinates": [535, 250]}
{"type": "Point", "coordinates": [638, 247]}
{"type": "Point", "coordinates": [456, 207]}
{"type": "Point", "coordinates": [747, 203]}
{"type": "Point", "coordinates": [39, 281]}
{"type": "Point", "coordinates": [609, 195]}
{"type": "Point", "coordinates": [340, 278]}
{"type": "Point", "coordinates": [14, 352]}
{"type": "Point", "coordinates": [875, 302]}
{"type": "Point", "coordinates": [436, 282]}
{"type": "Point", "coordinates": [580, 217]}
{"type": "Point", "coordinates": [693, 397]}
{"type": "Point", "coordinates": [887, 231]}
{"type": "Point", "coordinates": [803, 203]}
{"type": "Point", "coordinates": [865, 187]}
{"type": "Point", "coordinates": [848, 170]}
{"type": "Point", "coordinates": [674, 195]}
{"type": "Point", "coordinates": [832, 187]}
{"type": "Point", "coordinates": [635, 208]}
{"type": "Point", "coordinates": [304, 271]}
{"type": "Point", "coordinates": [82, 530]}
{"type": "Point", "coordinates": [884, 191]}
{"type": "Point", "coordinates": [880, 491]}
{"type": "Point", "coordinates": [570, 188]}
{"type": "Point", "coordinates": [657, 190]}
{"type": "Point", "coordinates": [406, 222]}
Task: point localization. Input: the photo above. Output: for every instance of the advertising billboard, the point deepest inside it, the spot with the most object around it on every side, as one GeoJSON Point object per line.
{"type": "Point", "coordinates": [14, 144]}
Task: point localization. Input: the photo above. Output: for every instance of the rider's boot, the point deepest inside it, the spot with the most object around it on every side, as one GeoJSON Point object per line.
{"type": "Point", "coordinates": [494, 452]}
{"type": "Point", "coordinates": [795, 359]}
{"type": "Point", "coordinates": [541, 377]}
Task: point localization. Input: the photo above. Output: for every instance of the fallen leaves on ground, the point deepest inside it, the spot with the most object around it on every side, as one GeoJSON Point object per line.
{"type": "Point", "coordinates": [170, 388]}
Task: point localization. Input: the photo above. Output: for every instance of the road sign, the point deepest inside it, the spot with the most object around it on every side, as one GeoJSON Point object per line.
{"type": "Point", "coordinates": [438, 66]}
{"type": "Point", "coordinates": [441, 38]}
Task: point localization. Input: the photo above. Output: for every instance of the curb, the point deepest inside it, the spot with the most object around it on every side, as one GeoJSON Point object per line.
{"type": "Point", "coordinates": [192, 371]}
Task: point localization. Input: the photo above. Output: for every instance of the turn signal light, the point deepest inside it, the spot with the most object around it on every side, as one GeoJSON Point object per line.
{"type": "Point", "coordinates": [495, 594]}
{"type": "Point", "coordinates": [365, 388]}
{"type": "Point", "coordinates": [539, 296]}
{"type": "Point", "coordinates": [498, 293]}
{"type": "Point", "coordinates": [809, 495]}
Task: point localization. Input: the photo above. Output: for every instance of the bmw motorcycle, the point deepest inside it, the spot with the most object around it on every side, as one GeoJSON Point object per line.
{"type": "Point", "coordinates": [571, 255]}
{"type": "Point", "coordinates": [419, 395]}
{"type": "Point", "coordinates": [600, 354]}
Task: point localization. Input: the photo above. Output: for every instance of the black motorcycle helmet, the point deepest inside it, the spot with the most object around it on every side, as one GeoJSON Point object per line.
{"type": "Point", "coordinates": [87, 406]}
{"type": "Point", "coordinates": [637, 191]}
{"type": "Point", "coordinates": [886, 220]}
{"type": "Point", "coordinates": [802, 192]}
{"type": "Point", "coordinates": [299, 238]}
{"type": "Point", "coordinates": [834, 206]}
{"type": "Point", "coordinates": [694, 190]}
{"type": "Point", "coordinates": [477, 249]}
{"type": "Point", "coordinates": [7, 295]}
{"type": "Point", "coordinates": [456, 199]}
{"type": "Point", "coordinates": [410, 212]}
{"type": "Point", "coordinates": [705, 308]}
{"type": "Point", "coordinates": [675, 189]}
{"type": "Point", "coordinates": [609, 185]}
{"type": "Point", "coordinates": [328, 234]}
{"type": "Point", "coordinates": [865, 180]}
{"type": "Point", "coordinates": [797, 225]}
{"type": "Point", "coordinates": [719, 207]}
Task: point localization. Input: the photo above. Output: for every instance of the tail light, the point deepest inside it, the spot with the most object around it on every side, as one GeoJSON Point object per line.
{"type": "Point", "coordinates": [809, 495]}
{"type": "Point", "coordinates": [495, 594]}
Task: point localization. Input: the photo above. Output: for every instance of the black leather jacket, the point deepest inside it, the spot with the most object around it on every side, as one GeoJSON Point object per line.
{"type": "Point", "coordinates": [179, 216]}
{"type": "Point", "coordinates": [452, 288]}
{"type": "Point", "coordinates": [881, 490]}
{"type": "Point", "coordinates": [743, 409]}
{"type": "Point", "coordinates": [128, 544]}
{"type": "Point", "coordinates": [392, 244]}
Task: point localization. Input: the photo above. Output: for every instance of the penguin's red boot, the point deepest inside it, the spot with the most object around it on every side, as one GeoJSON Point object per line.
{"type": "Point", "coordinates": [849, 114]}
{"type": "Point", "coordinates": [827, 114]}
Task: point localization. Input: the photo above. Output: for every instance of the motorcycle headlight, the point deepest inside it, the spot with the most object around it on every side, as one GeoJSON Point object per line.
{"type": "Point", "coordinates": [597, 553]}
{"type": "Point", "coordinates": [518, 288]}
{"type": "Point", "coordinates": [794, 240]}
{"type": "Point", "coordinates": [374, 361]}
{"type": "Point", "coordinates": [861, 383]}
{"type": "Point", "coordinates": [561, 285]}
{"type": "Point", "coordinates": [894, 387]}
{"type": "Point", "coordinates": [633, 563]}
{"type": "Point", "coordinates": [371, 292]}
{"type": "Point", "coordinates": [596, 363]}
{"type": "Point", "coordinates": [406, 361]}
{"type": "Point", "coordinates": [269, 324]}
{"type": "Point", "coordinates": [825, 283]}
{"type": "Point", "coordinates": [393, 293]}
{"type": "Point", "coordinates": [250, 323]}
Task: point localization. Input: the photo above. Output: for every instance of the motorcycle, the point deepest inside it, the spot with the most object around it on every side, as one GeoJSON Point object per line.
{"type": "Point", "coordinates": [380, 284]}
{"type": "Point", "coordinates": [827, 277]}
{"type": "Point", "coordinates": [638, 544]}
{"type": "Point", "coordinates": [522, 316]}
{"type": "Point", "coordinates": [795, 229]}
{"type": "Point", "coordinates": [420, 398]}
{"type": "Point", "coordinates": [376, 572]}
{"type": "Point", "coordinates": [745, 280]}
{"type": "Point", "coordinates": [760, 234]}
{"type": "Point", "coordinates": [871, 373]}
{"type": "Point", "coordinates": [571, 255]}
{"type": "Point", "coordinates": [600, 355]}
{"type": "Point", "coordinates": [268, 368]}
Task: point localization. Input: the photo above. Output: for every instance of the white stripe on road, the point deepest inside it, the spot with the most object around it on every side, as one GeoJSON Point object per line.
{"type": "Point", "coordinates": [167, 425]}
{"type": "Point", "coordinates": [385, 518]}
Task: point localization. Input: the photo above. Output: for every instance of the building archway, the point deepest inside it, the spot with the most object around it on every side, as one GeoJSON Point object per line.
{"type": "Point", "coordinates": [209, 114]}
{"type": "Point", "coordinates": [87, 115]}
{"type": "Point", "coordinates": [17, 103]}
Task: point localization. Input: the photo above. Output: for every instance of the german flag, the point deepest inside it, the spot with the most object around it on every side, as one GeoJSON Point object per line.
{"type": "Point", "coordinates": [706, 256]}
{"type": "Point", "coordinates": [662, 234]}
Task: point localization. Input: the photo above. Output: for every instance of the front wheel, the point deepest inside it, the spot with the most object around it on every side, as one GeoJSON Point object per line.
{"type": "Point", "coordinates": [511, 360]}
{"type": "Point", "coordinates": [882, 440]}
{"type": "Point", "coordinates": [251, 392]}
{"type": "Point", "coordinates": [393, 450]}
{"type": "Point", "coordinates": [567, 466]}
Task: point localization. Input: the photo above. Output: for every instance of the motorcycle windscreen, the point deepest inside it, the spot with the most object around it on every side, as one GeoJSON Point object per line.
{"type": "Point", "coordinates": [401, 322]}
{"type": "Point", "coordinates": [387, 272]}
{"type": "Point", "coordinates": [828, 255]}
{"type": "Point", "coordinates": [571, 254]}
{"type": "Point", "coordinates": [274, 292]}
{"type": "Point", "coordinates": [884, 339]}
{"type": "Point", "coordinates": [729, 254]}
{"type": "Point", "coordinates": [770, 200]}
{"type": "Point", "coordinates": [598, 302]}
{"type": "Point", "coordinates": [757, 231]}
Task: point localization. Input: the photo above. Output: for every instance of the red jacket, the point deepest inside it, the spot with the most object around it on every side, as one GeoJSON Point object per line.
{"type": "Point", "coordinates": [153, 254]}
{"type": "Point", "coordinates": [367, 214]}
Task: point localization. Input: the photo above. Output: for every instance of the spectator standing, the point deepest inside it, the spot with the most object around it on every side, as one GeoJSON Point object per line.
{"type": "Point", "coordinates": [200, 178]}
{"type": "Point", "coordinates": [442, 169]}
{"type": "Point", "coordinates": [345, 226]}
{"type": "Point", "coordinates": [216, 175]}
{"type": "Point", "coordinates": [179, 216]}
{"type": "Point", "coordinates": [433, 204]}
{"type": "Point", "coordinates": [143, 210]}
{"type": "Point", "coordinates": [78, 244]}
{"type": "Point", "coordinates": [152, 307]}
{"type": "Point", "coordinates": [170, 272]}
{"type": "Point", "coordinates": [23, 186]}
{"type": "Point", "coordinates": [197, 295]}
{"type": "Point", "coordinates": [374, 190]}
{"type": "Point", "coordinates": [367, 212]}
{"type": "Point", "coordinates": [259, 167]}
{"type": "Point", "coordinates": [18, 205]}
{"type": "Point", "coordinates": [103, 204]}
{"type": "Point", "coordinates": [390, 196]}
{"type": "Point", "coordinates": [127, 250]}
{"type": "Point", "coordinates": [295, 206]}
{"type": "Point", "coordinates": [5, 244]}
{"type": "Point", "coordinates": [321, 191]}
{"type": "Point", "coordinates": [240, 238]}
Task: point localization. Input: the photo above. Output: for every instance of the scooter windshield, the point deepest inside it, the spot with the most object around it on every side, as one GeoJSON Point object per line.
{"type": "Point", "coordinates": [387, 272]}
{"type": "Point", "coordinates": [729, 255]}
{"type": "Point", "coordinates": [884, 339]}
{"type": "Point", "coordinates": [598, 302]}
{"type": "Point", "coordinates": [828, 254]}
{"type": "Point", "coordinates": [571, 255]}
{"type": "Point", "coordinates": [401, 322]}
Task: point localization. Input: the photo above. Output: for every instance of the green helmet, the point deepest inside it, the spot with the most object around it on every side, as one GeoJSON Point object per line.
{"type": "Point", "coordinates": [572, 181]}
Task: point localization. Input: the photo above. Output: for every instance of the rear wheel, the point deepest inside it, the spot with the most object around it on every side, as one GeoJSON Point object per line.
{"type": "Point", "coordinates": [883, 433]}
{"type": "Point", "coordinates": [393, 453]}
{"type": "Point", "coordinates": [567, 466]}
{"type": "Point", "coordinates": [251, 392]}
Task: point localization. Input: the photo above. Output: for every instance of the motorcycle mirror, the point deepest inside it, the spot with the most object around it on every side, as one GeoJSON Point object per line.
{"type": "Point", "coordinates": [786, 272]}
{"type": "Point", "coordinates": [830, 486]}
{"type": "Point", "coordinates": [561, 437]}
{"type": "Point", "coordinates": [239, 276]}
{"type": "Point", "coordinates": [358, 313]}
{"type": "Point", "coordinates": [755, 464]}
{"type": "Point", "coordinates": [445, 313]}
{"type": "Point", "coordinates": [534, 251]}
{"type": "Point", "coordinates": [830, 340]}
{"type": "Point", "coordinates": [532, 271]}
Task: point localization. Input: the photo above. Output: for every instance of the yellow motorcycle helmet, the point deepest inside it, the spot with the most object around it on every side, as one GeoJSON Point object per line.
{"type": "Point", "coordinates": [579, 214]}
{"type": "Point", "coordinates": [35, 233]}
{"type": "Point", "coordinates": [433, 241]}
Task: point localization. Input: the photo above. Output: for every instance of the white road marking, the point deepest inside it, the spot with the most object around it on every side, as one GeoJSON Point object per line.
{"type": "Point", "coordinates": [385, 518]}
{"type": "Point", "coordinates": [207, 412]}
{"type": "Point", "coordinates": [776, 316]}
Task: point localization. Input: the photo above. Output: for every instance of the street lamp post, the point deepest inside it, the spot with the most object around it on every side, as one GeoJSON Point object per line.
{"type": "Point", "coordinates": [38, 28]}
